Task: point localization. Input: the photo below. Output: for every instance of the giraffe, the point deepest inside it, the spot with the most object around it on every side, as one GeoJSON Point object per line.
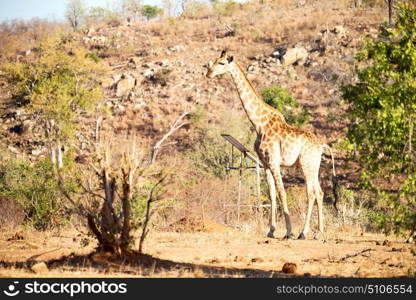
{"type": "Point", "coordinates": [278, 144]}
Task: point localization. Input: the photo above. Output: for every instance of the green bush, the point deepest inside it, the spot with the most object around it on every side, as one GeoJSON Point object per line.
{"type": "Point", "coordinates": [56, 86]}
{"type": "Point", "coordinates": [151, 11]}
{"type": "Point", "coordinates": [211, 155]}
{"type": "Point", "coordinates": [383, 114]}
{"type": "Point", "coordinates": [35, 187]}
{"type": "Point", "coordinates": [224, 8]}
{"type": "Point", "coordinates": [280, 99]}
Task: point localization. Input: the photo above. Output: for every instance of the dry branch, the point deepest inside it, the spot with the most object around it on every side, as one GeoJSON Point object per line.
{"type": "Point", "coordinates": [354, 255]}
{"type": "Point", "coordinates": [150, 199]}
{"type": "Point", "coordinates": [179, 122]}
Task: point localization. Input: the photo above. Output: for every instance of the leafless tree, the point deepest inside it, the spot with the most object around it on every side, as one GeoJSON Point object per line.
{"type": "Point", "coordinates": [116, 181]}
{"type": "Point", "coordinates": [184, 4]}
{"type": "Point", "coordinates": [75, 12]}
{"type": "Point", "coordinates": [170, 7]}
{"type": "Point", "coordinates": [131, 9]}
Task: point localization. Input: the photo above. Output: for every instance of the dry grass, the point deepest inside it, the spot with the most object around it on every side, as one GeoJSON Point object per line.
{"type": "Point", "coordinates": [225, 253]}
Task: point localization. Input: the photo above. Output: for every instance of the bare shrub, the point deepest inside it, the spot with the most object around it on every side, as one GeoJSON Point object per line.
{"type": "Point", "coordinates": [113, 194]}
{"type": "Point", "coordinates": [160, 77]}
{"type": "Point", "coordinates": [12, 213]}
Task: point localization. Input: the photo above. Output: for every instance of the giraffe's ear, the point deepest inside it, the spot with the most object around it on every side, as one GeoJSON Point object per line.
{"type": "Point", "coordinates": [223, 53]}
{"type": "Point", "coordinates": [230, 59]}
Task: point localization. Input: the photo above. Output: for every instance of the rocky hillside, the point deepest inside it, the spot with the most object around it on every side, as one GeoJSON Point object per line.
{"type": "Point", "coordinates": [158, 68]}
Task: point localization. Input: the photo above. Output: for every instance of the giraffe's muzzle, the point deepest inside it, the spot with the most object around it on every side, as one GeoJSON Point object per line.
{"type": "Point", "coordinates": [209, 74]}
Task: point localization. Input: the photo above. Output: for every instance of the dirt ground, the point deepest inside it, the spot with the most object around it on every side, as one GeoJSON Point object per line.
{"type": "Point", "coordinates": [221, 252]}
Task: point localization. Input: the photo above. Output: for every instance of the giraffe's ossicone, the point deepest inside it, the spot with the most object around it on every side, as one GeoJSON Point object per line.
{"type": "Point", "coordinates": [278, 144]}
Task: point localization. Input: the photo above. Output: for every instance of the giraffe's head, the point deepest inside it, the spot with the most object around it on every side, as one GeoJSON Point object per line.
{"type": "Point", "coordinates": [220, 66]}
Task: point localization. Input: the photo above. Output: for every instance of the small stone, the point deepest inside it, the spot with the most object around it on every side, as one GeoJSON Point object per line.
{"type": "Point", "coordinates": [36, 151]}
{"type": "Point", "coordinates": [387, 243]}
{"type": "Point", "coordinates": [238, 259]}
{"type": "Point", "coordinates": [214, 261]}
{"type": "Point", "coordinates": [289, 268]}
{"type": "Point", "coordinates": [162, 63]}
{"type": "Point", "coordinates": [16, 237]}
{"type": "Point", "coordinates": [40, 267]}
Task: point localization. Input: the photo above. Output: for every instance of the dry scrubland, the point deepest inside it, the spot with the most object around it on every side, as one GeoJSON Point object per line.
{"type": "Point", "coordinates": [222, 252]}
{"type": "Point", "coordinates": [157, 72]}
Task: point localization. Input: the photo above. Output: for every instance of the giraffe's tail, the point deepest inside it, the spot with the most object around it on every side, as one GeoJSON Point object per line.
{"type": "Point", "coordinates": [332, 158]}
{"type": "Point", "coordinates": [335, 186]}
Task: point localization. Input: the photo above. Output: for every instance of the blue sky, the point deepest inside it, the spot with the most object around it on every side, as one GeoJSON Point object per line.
{"type": "Point", "coordinates": [51, 9]}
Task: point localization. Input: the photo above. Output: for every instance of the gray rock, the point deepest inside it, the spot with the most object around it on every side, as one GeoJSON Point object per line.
{"type": "Point", "coordinates": [148, 72]}
{"type": "Point", "coordinates": [13, 149]}
{"type": "Point", "coordinates": [293, 55]}
{"type": "Point", "coordinates": [125, 85]}
{"type": "Point", "coordinates": [340, 31]}
{"type": "Point", "coordinates": [36, 152]}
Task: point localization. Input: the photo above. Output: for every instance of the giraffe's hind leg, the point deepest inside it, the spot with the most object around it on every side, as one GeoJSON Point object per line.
{"type": "Point", "coordinates": [310, 190]}
{"type": "Point", "coordinates": [310, 163]}
{"type": "Point", "coordinates": [319, 200]}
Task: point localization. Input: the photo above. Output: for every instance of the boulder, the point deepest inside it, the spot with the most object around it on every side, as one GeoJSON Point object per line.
{"type": "Point", "coordinates": [340, 31]}
{"type": "Point", "coordinates": [13, 149]}
{"type": "Point", "coordinates": [294, 55]}
{"type": "Point", "coordinates": [125, 85]}
{"type": "Point", "coordinates": [279, 52]}
{"type": "Point", "coordinates": [119, 109]}
{"type": "Point", "coordinates": [148, 72]}
{"type": "Point", "coordinates": [177, 48]}
{"type": "Point", "coordinates": [36, 152]}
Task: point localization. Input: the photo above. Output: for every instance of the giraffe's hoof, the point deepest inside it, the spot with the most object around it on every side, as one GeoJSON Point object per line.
{"type": "Point", "coordinates": [288, 236]}
{"type": "Point", "coordinates": [271, 232]}
{"type": "Point", "coordinates": [301, 236]}
{"type": "Point", "coordinates": [320, 236]}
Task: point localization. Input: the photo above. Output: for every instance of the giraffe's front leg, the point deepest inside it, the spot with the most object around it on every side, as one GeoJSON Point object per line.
{"type": "Point", "coordinates": [282, 194]}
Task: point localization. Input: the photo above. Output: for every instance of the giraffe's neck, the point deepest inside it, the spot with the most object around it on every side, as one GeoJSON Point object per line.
{"type": "Point", "coordinates": [256, 109]}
